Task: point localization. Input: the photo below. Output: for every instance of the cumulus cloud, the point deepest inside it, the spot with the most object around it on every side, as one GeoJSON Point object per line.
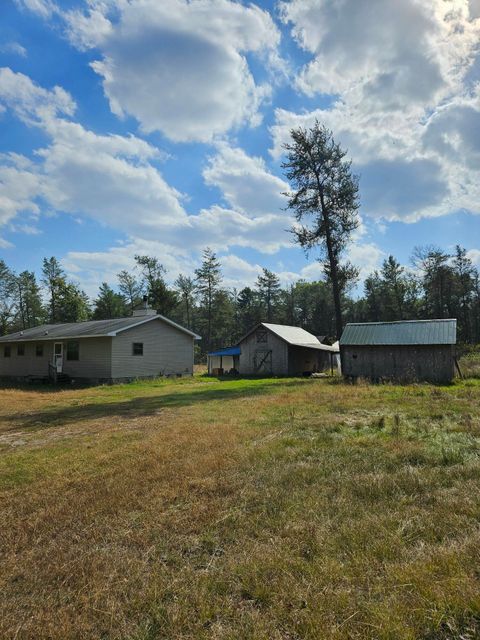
{"type": "Point", "coordinates": [179, 67]}
{"type": "Point", "coordinates": [246, 183]}
{"type": "Point", "coordinates": [402, 79]}
{"type": "Point", "coordinates": [113, 180]}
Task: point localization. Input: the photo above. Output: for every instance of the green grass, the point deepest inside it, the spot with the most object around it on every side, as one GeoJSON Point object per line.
{"type": "Point", "coordinates": [241, 509]}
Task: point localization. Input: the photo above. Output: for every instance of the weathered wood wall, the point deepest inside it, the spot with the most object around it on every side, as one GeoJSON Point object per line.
{"type": "Point", "coordinates": [431, 363]}
{"type": "Point", "coordinates": [249, 347]}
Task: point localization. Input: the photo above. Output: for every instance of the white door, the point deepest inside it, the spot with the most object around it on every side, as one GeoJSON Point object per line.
{"type": "Point", "coordinates": [58, 356]}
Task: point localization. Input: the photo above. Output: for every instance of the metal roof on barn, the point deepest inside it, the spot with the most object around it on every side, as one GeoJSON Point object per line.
{"type": "Point", "coordinates": [295, 336]}
{"type": "Point", "coordinates": [406, 332]}
{"type": "Point", "coordinates": [88, 329]}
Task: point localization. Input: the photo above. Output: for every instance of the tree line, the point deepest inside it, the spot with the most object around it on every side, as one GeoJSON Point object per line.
{"type": "Point", "coordinates": [435, 285]}
{"type": "Point", "coordinates": [324, 199]}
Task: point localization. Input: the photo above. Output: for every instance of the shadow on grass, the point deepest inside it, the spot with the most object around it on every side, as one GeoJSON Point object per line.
{"type": "Point", "coordinates": [132, 408]}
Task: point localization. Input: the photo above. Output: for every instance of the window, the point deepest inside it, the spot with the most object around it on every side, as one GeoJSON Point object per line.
{"type": "Point", "coordinates": [73, 350]}
{"type": "Point", "coordinates": [20, 349]}
{"type": "Point", "coordinates": [261, 335]}
{"type": "Point", "coordinates": [39, 350]}
{"type": "Point", "coordinates": [137, 349]}
{"type": "Point", "coordinates": [7, 351]}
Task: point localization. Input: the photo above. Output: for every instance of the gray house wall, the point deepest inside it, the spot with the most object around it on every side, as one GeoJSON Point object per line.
{"type": "Point", "coordinates": [431, 363]}
{"type": "Point", "coordinates": [29, 364]}
{"type": "Point", "coordinates": [166, 351]}
{"type": "Point", "coordinates": [94, 361]}
{"type": "Point", "coordinates": [249, 347]}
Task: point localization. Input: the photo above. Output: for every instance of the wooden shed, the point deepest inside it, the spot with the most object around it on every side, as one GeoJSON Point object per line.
{"type": "Point", "coordinates": [406, 351]}
{"type": "Point", "coordinates": [280, 350]}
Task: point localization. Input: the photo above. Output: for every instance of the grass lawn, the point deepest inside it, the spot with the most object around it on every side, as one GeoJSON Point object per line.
{"type": "Point", "coordinates": [242, 509]}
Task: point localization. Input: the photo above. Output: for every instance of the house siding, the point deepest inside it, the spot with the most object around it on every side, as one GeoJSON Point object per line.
{"type": "Point", "coordinates": [249, 348]}
{"type": "Point", "coordinates": [27, 365]}
{"type": "Point", "coordinates": [166, 351]}
{"type": "Point", "coordinates": [94, 359]}
{"type": "Point", "coordinates": [430, 363]}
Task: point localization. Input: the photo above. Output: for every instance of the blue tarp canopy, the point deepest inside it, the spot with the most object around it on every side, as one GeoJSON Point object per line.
{"type": "Point", "coordinates": [229, 351]}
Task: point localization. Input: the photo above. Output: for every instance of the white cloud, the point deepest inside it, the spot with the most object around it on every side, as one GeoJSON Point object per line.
{"type": "Point", "coordinates": [179, 67]}
{"type": "Point", "coordinates": [246, 183]}
{"type": "Point", "coordinates": [19, 186]}
{"type": "Point", "coordinates": [31, 103]}
{"type": "Point", "coordinates": [112, 179]}
{"type": "Point", "coordinates": [474, 255]}
{"type": "Point", "coordinates": [14, 47]}
{"type": "Point", "coordinates": [398, 73]}
{"type": "Point", "coordinates": [43, 8]}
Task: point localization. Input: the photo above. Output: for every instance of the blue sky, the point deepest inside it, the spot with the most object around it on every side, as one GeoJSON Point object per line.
{"type": "Point", "coordinates": [139, 126]}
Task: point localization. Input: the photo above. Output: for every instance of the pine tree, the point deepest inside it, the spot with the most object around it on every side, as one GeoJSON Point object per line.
{"type": "Point", "coordinates": [130, 288]}
{"type": "Point", "coordinates": [268, 285]}
{"type": "Point", "coordinates": [54, 280]}
{"type": "Point", "coordinates": [187, 289]}
{"type": "Point", "coordinates": [163, 299]}
{"type": "Point", "coordinates": [208, 278]}
{"type": "Point", "coordinates": [324, 192]}
{"type": "Point", "coordinates": [7, 298]}
{"type": "Point", "coordinates": [29, 305]}
{"type": "Point", "coordinates": [109, 304]}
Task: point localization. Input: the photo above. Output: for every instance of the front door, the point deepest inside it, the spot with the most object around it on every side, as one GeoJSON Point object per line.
{"type": "Point", "coordinates": [58, 356]}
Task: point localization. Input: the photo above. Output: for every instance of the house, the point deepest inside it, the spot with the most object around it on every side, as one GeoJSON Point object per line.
{"type": "Point", "coordinates": [278, 350]}
{"type": "Point", "coordinates": [142, 346]}
{"type": "Point", "coordinates": [407, 351]}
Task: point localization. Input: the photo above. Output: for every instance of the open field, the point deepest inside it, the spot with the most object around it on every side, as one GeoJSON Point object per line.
{"type": "Point", "coordinates": [242, 509]}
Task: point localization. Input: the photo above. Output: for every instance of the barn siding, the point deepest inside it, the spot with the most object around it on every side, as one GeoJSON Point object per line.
{"type": "Point", "coordinates": [432, 363]}
{"type": "Point", "coordinates": [166, 351]}
{"type": "Point", "coordinates": [249, 346]}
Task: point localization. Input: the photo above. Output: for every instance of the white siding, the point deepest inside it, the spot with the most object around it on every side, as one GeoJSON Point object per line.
{"type": "Point", "coordinates": [166, 351]}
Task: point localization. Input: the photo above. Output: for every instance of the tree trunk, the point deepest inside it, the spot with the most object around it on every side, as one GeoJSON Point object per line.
{"type": "Point", "coordinates": [337, 303]}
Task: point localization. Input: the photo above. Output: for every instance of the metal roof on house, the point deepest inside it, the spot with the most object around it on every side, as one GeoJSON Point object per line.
{"type": "Point", "coordinates": [406, 332]}
{"type": "Point", "coordinates": [228, 351]}
{"type": "Point", "coordinates": [88, 329]}
{"type": "Point", "coordinates": [296, 336]}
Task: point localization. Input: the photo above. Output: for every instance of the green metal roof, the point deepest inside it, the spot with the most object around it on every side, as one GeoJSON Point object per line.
{"type": "Point", "coordinates": [403, 333]}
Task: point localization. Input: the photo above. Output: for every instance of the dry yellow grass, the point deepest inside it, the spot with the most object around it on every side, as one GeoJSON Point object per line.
{"type": "Point", "coordinates": [274, 509]}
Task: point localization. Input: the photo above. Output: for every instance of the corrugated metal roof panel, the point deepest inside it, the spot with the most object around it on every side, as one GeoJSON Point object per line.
{"type": "Point", "coordinates": [407, 332]}
{"type": "Point", "coordinates": [297, 337]}
{"type": "Point", "coordinates": [292, 335]}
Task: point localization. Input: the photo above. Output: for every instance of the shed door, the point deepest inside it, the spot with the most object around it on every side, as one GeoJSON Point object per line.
{"type": "Point", "coordinates": [262, 361]}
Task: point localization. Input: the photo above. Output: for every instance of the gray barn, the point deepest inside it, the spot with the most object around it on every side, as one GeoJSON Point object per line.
{"type": "Point", "coordinates": [408, 351]}
{"type": "Point", "coordinates": [280, 350]}
{"type": "Point", "coordinates": [145, 345]}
